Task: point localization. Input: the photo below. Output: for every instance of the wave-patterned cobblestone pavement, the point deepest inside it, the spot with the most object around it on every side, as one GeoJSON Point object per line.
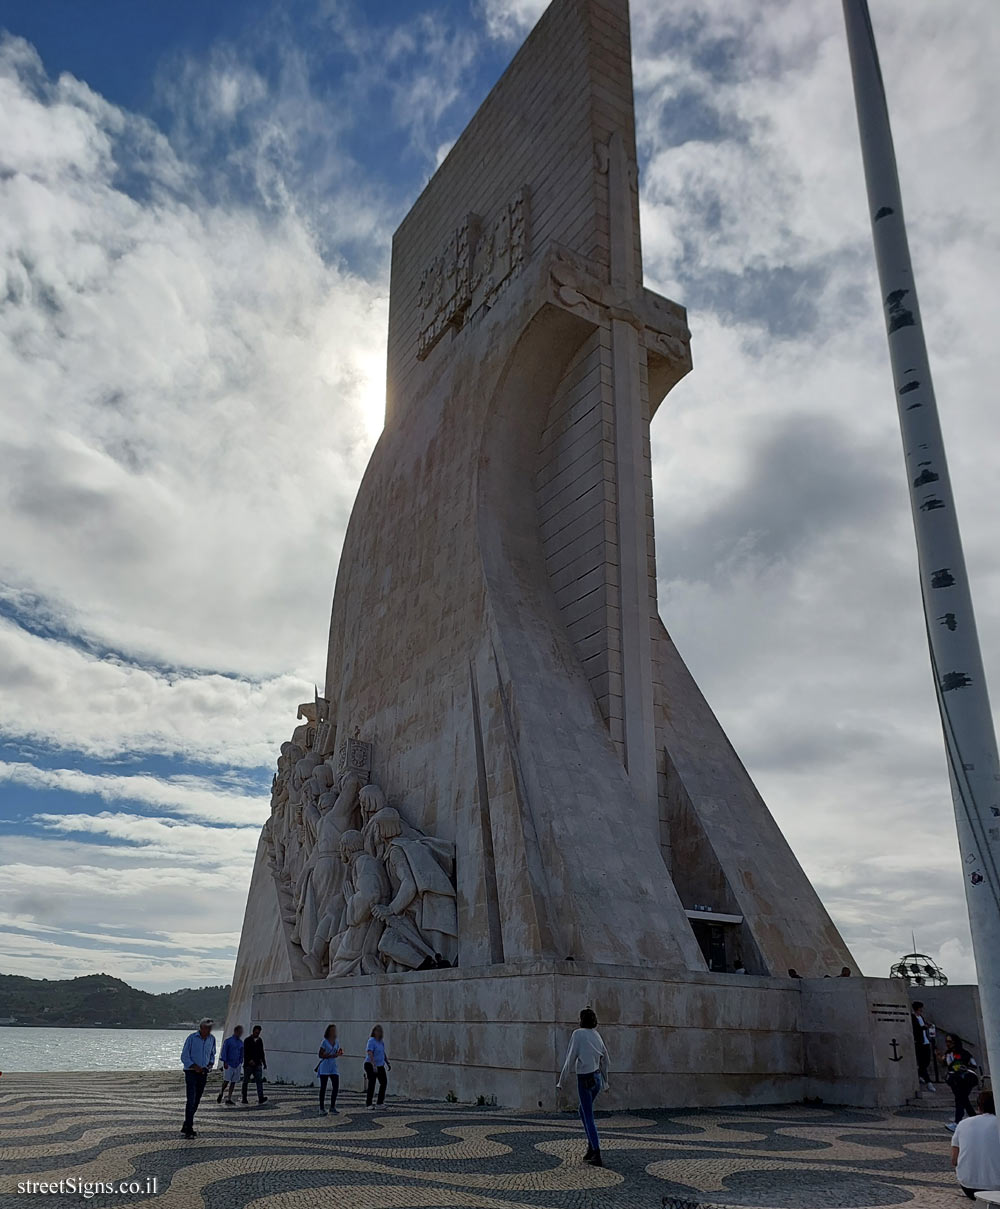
{"type": "Point", "coordinates": [283, 1155]}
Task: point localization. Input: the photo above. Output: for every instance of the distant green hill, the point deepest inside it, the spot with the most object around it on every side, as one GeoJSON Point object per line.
{"type": "Point", "coordinates": [100, 1001]}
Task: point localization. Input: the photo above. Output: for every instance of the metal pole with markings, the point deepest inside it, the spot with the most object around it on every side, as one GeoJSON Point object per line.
{"type": "Point", "coordinates": [956, 662]}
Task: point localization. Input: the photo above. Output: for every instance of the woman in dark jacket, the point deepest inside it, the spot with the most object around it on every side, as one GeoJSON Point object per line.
{"type": "Point", "coordinates": [962, 1077]}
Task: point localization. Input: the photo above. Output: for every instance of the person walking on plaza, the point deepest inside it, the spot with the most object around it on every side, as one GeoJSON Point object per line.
{"type": "Point", "coordinates": [587, 1058]}
{"type": "Point", "coordinates": [197, 1058]}
{"type": "Point", "coordinates": [254, 1064]}
{"type": "Point", "coordinates": [962, 1077]}
{"type": "Point", "coordinates": [376, 1065]}
{"type": "Point", "coordinates": [975, 1149]}
{"type": "Point", "coordinates": [329, 1052]}
{"type": "Point", "coordinates": [921, 1043]}
{"type": "Point", "coordinates": [232, 1060]}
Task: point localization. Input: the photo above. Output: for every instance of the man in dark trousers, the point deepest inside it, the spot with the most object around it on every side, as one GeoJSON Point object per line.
{"type": "Point", "coordinates": [197, 1058]}
{"type": "Point", "coordinates": [254, 1064]}
{"type": "Point", "coordinates": [921, 1043]}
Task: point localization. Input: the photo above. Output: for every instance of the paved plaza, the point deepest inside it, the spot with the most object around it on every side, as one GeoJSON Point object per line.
{"type": "Point", "coordinates": [283, 1155]}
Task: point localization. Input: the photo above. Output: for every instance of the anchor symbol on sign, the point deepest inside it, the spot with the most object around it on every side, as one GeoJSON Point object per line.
{"type": "Point", "coordinates": [896, 1055]}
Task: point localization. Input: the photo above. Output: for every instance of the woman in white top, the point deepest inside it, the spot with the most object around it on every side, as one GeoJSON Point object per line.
{"type": "Point", "coordinates": [587, 1058]}
{"type": "Point", "coordinates": [975, 1149]}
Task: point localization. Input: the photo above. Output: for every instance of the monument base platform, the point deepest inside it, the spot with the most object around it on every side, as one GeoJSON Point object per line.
{"type": "Point", "coordinates": [677, 1039]}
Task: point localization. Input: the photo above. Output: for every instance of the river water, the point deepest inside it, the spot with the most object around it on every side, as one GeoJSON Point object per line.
{"type": "Point", "coordinates": [28, 1049]}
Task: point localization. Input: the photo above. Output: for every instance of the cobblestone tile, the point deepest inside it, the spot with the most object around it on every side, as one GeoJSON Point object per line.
{"type": "Point", "coordinates": [283, 1155]}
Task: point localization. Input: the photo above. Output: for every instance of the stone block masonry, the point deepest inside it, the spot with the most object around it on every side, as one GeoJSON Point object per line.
{"type": "Point", "coordinates": [511, 796]}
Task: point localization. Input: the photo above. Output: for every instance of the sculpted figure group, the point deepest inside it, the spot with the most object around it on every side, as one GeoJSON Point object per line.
{"type": "Point", "coordinates": [361, 890]}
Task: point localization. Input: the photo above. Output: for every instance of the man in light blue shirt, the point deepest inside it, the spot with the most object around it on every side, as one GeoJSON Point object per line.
{"type": "Point", "coordinates": [197, 1058]}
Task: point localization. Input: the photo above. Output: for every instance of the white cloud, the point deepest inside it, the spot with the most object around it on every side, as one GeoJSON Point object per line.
{"type": "Point", "coordinates": [54, 693]}
{"type": "Point", "coordinates": [163, 836]}
{"type": "Point", "coordinates": [510, 20]}
{"type": "Point", "coordinates": [189, 383]}
{"type": "Point", "coordinates": [191, 388]}
{"type": "Point", "coordinates": [785, 548]}
{"type": "Point", "coordinates": [179, 942]}
{"type": "Point", "coordinates": [149, 913]}
{"type": "Point", "coordinates": [150, 965]}
{"type": "Point", "coordinates": [190, 796]}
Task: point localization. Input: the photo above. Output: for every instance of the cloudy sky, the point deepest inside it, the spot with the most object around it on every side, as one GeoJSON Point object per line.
{"type": "Point", "coordinates": [196, 203]}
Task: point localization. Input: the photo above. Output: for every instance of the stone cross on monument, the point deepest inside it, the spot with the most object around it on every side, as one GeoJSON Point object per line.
{"type": "Point", "coordinates": [511, 772]}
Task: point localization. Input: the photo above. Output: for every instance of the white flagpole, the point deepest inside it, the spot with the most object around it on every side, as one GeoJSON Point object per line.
{"type": "Point", "coordinates": [956, 662]}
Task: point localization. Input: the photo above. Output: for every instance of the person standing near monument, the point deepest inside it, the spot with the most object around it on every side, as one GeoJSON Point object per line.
{"type": "Point", "coordinates": [376, 1065]}
{"type": "Point", "coordinates": [962, 1077]}
{"type": "Point", "coordinates": [232, 1061]}
{"type": "Point", "coordinates": [329, 1052]}
{"type": "Point", "coordinates": [587, 1058]}
{"type": "Point", "coordinates": [975, 1149]}
{"type": "Point", "coordinates": [254, 1064]}
{"type": "Point", "coordinates": [197, 1058]}
{"type": "Point", "coordinates": [922, 1043]}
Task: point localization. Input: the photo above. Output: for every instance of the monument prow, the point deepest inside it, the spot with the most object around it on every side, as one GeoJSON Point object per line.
{"type": "Point", "coordinates": [512, 799]}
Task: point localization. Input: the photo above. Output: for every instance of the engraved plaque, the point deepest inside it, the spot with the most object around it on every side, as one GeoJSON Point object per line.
{"type": "Point", "coordinates": [470, 272]}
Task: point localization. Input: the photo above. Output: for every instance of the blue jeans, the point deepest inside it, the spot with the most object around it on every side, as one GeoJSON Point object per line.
{"type": "Point", "coordinates": [334, 1081]}
{"type": "Point", "coordinates": [194, 1085]}
{"type": "Point", "coordinates": [588, 1095]}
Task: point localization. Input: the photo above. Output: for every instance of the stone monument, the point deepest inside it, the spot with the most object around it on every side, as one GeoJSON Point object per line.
{"type": "Point", "coordinates": [512, 800]}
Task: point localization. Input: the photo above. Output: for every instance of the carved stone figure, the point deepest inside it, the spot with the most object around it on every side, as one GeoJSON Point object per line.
{"type": "Point", "coordinates": [316, 896]}
{"type": "Point", "coordinates": [321, 904]}
{"type": "Point", "coordinates": [298, 799]}
{"type": "Point", "coordinates": [355, 949]}
{"type": "Point", "coordinates": [371, 800]}
{"type": "Point", "coordinates": [422, 917]}
{"type": "Point", "coordinates": [319, 783]}
{"type": "Point", "coordinates": [277, 832]}
{"type": "Point", "coordinates": [343, 813]}
{"type": "Point", "coordinates": [359, 888]}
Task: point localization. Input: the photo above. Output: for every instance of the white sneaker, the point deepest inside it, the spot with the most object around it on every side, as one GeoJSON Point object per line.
{"type": "Point", "coordinates": [931, 1087]}
{"type": "Point", "coordinates": [951, 1126]}
{"type": "Point", "coordinates": [372, 1108]}
{"type": "Point", "coordinates": [323, 1112]}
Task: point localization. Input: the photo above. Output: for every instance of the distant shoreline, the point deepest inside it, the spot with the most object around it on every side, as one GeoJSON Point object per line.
{"type": "Point", "coordinates": [100, 1001]}
{"type": "Point", "coordinates": [149, 1028]}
